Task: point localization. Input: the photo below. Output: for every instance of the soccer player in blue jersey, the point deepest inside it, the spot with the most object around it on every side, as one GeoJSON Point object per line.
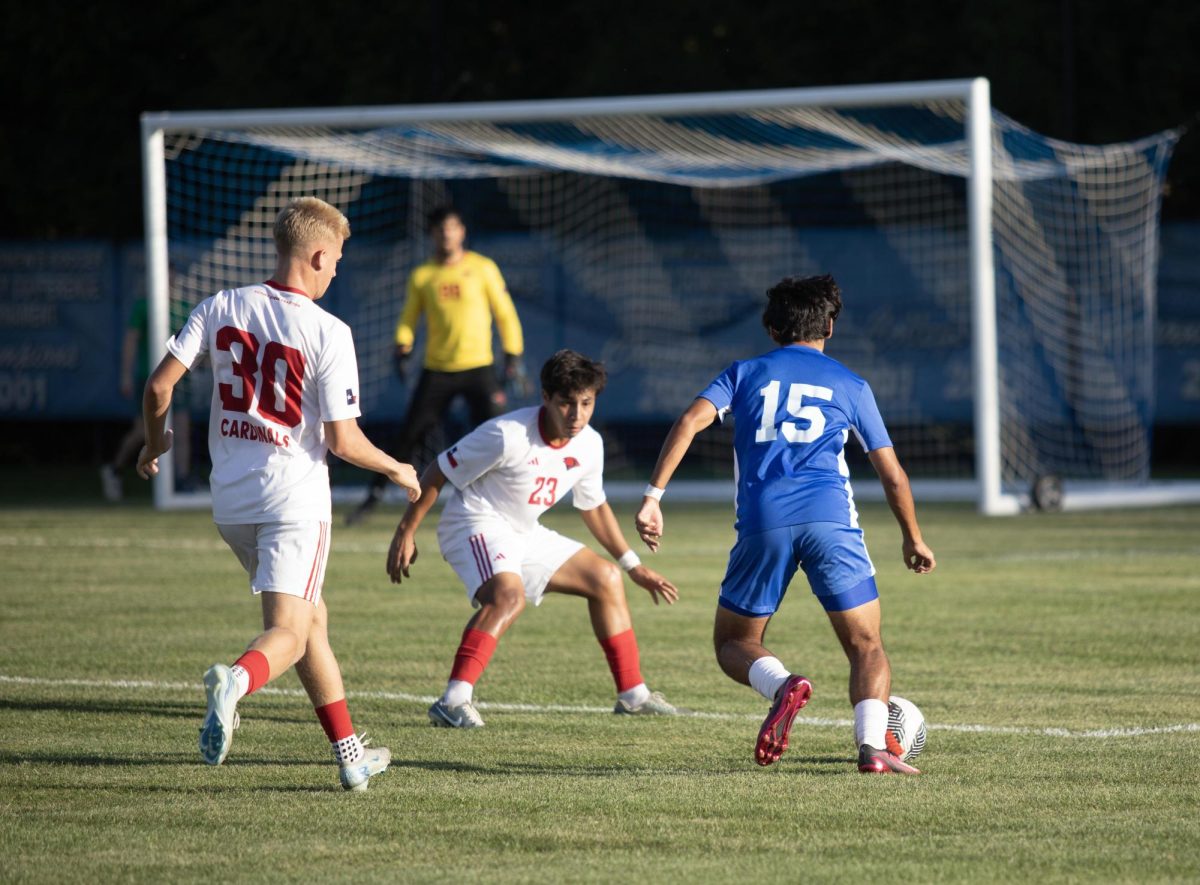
{"type": "Point", "coordinates": [793, 409]}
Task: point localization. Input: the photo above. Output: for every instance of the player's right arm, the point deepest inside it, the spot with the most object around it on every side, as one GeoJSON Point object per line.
{"type": "Point", "coordinates": [403, 550]}
{"type": "Point", "coordinates": [699, 416]}
{"type": "Point", "coordinates": [917, 556]}
{"type": "Point", "coordinates": [406, 327]}
{"type": "Point", "coordinates": [346, 440]}
{"type": "Point", "coordinates": [156, 402]}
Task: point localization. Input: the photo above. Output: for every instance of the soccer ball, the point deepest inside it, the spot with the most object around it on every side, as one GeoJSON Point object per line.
{"type": "Point", "coordinates": [905, 729]}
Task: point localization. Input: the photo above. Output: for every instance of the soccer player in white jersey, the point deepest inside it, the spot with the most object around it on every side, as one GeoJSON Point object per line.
{"type": "Point", "coordinates": [503, 476]}
{"type": "Point", "coordinates": [793, 410]}
{"type": "Point", "coordinates": [285, 391]}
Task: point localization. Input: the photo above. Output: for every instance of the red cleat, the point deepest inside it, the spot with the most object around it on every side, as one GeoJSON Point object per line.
{"type": "Point", "coordinates": [773, 736]}
{"type": "Point", "coordinates": [872, 761]}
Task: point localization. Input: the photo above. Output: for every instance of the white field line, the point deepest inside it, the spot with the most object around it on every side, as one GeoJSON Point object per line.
{"type": "Point", "coordinates": [341, 545]}
{"type": "Point", "coordinates": [198, 688]}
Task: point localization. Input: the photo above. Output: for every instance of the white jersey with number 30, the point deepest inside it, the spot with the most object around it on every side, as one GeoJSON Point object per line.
{"type": "Point", "coordinates": [505, 468]}
{"type": "Point", "coordinates": [281, 367]}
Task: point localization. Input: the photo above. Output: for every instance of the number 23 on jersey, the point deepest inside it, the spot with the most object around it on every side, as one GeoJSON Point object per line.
{"type": "Point", "coordinates": [545, 491]}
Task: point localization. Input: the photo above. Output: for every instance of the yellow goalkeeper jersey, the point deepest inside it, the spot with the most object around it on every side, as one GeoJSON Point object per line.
{"type": "Point", "coordinates": [459, 302]}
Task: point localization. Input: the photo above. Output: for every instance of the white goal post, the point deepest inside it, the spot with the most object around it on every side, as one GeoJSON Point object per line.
{"type": "Point", "coordinates": [926, 173]}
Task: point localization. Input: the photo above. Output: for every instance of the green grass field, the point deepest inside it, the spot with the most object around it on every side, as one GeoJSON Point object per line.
{"type": "Point", "coordinates": [1057, 659]}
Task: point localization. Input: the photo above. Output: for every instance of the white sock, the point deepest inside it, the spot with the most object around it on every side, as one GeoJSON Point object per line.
{"type": "Point", "coordinates": [242, 677]}
{"type": "Point", "coordinates": [458, 693]}
{"type": "Point", "coordinates": [870, 723]}
{"type": "Point", "coordinates": [348, 750]}
{"type": "Point", "coordinates": [635, 696]}
{"type": "Point", "coordinates": [767, 675]}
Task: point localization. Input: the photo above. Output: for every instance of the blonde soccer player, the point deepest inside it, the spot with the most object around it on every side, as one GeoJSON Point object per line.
{"type": "Point", "coordinates": [285, 392]}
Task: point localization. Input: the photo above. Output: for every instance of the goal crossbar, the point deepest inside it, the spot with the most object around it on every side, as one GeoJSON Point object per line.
{"type": "Point", "coordinates": [978, 169]}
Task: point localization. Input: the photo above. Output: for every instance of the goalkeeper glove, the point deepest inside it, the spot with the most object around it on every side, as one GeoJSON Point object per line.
{"type": "Point", "coordinates": [400, 363]}
{"type": "Point", "coordinates": [516, 380]}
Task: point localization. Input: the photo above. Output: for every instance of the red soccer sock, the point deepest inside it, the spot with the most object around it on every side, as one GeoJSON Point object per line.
{"type": "Point", "coordinates": [622, 654]}
{"type": "Point", "coordinates": [257, 667]}
{"type": "Point", "coordinates": [335, 719]}
{"type": "Point", "coordinates": [473, 655]}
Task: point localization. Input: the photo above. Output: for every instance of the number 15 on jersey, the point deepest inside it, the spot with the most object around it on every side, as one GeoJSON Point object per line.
{"type": "Point", "coordinates": [792, 432]}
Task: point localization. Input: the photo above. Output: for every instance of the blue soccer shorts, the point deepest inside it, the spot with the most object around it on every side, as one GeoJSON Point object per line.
{"type": "Point", "coordinates": [833, 556]}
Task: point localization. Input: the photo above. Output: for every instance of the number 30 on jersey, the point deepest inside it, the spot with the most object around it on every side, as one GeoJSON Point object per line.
{"type": "Point", "coordinates": [246, 368]}
{"type": "Point", "coordinates": [792, 432]}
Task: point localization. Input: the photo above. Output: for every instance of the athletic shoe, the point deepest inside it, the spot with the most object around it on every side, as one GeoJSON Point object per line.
{"type": "Point", "coordinates": [463, 716]}
{"type": "Point", "coordinates": [374, 760]}
{"type": "Point", "coordinates": [363, 510]}
{"type": "Point", "coordinates": [773, 736]}
{"type": "Point", "coordinates": [654, 705]}
{"type": "Point", "coordinates": [216, 734]}
{"type": "Point", "coordinates": [110, 482]}
{"type": "Point", "coordinates": [872, 761]}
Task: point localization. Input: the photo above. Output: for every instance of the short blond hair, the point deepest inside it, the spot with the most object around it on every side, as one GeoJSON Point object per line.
{"type": "Point", "coordinates": [306, 221]}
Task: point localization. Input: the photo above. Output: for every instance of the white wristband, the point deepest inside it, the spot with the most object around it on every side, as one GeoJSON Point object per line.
{"type": "Point", "coordinates": [652, 492]}
{"type": "Point", "coordinates": [629, 560]}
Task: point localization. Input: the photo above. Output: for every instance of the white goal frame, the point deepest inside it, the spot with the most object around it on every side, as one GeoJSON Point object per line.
{"type": "Point", "coordinates": [986, 489]}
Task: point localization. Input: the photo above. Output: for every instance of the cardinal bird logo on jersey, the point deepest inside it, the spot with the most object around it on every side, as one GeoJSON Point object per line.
{"type": "Point", "coordinates": [570, 462]}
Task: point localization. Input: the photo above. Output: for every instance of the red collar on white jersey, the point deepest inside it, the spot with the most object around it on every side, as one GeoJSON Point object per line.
{"type": "Point", "coordinates": [279, 287]}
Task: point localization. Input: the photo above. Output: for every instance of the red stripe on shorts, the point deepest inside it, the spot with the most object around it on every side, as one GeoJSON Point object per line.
{"type": "Point", "coordinates": [479, 550]}
{"type": "Point", "coordinates": [315, 571]}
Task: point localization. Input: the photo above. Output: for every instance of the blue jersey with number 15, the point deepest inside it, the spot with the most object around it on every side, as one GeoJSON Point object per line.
{"type": "Point", "coordinates": [793, 411]}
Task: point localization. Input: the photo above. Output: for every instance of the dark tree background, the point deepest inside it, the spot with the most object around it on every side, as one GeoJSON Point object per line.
{"type": "Point", "coordinates": [78, 76]}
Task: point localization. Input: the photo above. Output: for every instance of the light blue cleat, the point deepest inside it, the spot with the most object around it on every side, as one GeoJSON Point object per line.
{"type": "Point", "coordinates": [374, 760]}
{"type": "Point", "coordinates": [216, 734]}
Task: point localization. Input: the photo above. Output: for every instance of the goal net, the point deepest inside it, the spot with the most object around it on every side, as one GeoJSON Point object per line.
{"type": "Point", "coordinates": [999, 285]}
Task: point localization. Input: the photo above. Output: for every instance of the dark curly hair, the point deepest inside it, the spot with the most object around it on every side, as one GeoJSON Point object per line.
{"type": "Point", "coordinates": [569, 372]}
{"type": "Point", "coordinates": [800, 308]}
{"type": "Point", "coordinates": [435, 218]}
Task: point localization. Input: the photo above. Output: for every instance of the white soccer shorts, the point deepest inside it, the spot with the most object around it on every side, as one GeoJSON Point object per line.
{"type": "Point", "coordinates": [478, 549]}
{"type": "Point", "coordinates": [282, 557]}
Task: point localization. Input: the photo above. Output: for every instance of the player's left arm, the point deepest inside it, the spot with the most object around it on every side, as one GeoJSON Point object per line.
{"type": "Point", "coordinates": [402, 552]}
{"type": "Point", "coordinates": [917, 555]}
{"type": "Point", "coordinates": [504, 312]}
{"type": "Point", "coordinates": [602, 523]}
{"type": "Point", "coordinates": [156, 402]}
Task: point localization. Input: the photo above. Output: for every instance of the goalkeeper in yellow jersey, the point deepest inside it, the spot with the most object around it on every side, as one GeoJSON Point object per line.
{"type": "Point", "coordinates": [460, 293]}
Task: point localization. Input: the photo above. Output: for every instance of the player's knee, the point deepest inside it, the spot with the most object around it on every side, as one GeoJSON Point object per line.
{"type": "Point", "coordinates": [297, 639]}
{"type": "Point", "coordinates": [608, 583]}
{"type": "Point", "coordinates": [864, 645]}
{"type": "Point", "coordinates": [508, 598]}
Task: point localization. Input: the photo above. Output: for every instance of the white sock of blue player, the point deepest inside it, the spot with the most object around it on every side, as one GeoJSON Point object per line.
{"type": "Point", "coordinates": [458, 692]}
{"type": "Point", "coordinates": [870, 723]}
{"type": "Point", "coordinates": [635, 696]}
{"type": "Point", "coordinates": [767, 674]}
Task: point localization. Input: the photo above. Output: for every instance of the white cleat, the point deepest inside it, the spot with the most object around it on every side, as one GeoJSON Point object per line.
{"type": "Point", "coordinates": [463, 716]}
{"type": "Point", "coordinates": [356, 776]}
{"type": "Point", "coordinates": [216, 734]}
{"type": "Point", "coordinates": [654, 705]}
